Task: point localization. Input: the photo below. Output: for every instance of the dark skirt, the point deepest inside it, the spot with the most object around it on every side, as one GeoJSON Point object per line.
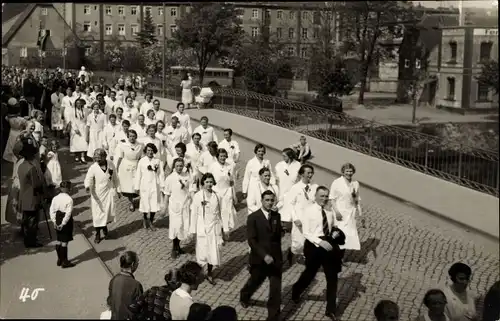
{"type": "Point", "coordinates": [66, 233]}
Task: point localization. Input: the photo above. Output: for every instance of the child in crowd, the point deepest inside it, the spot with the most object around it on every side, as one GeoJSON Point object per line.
{"type": "Point", "coordinates": [53, 173]}
{"type": "Point", "coordinates": [303, 150]}
{"type": "Point", "coordinates": [43, 152]}
{"type": "Point", "coordinates": [61, 214]}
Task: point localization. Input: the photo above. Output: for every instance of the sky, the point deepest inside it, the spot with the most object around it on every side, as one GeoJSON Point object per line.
{"type": "Point", "coordinates": [466, 4]}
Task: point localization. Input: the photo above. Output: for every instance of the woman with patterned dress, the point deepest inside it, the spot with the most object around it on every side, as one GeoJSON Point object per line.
{"type": "Point", "coordinates": [128, 154]}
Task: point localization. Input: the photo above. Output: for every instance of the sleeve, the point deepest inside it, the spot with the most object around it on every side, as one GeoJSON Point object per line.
{"type": "Point", "coordinates": [116, 181]}
{"type": "Point", "coordinates": [253, 241]}
{"type": "Point", "coordinates": [68, 209]}
{"type": "Point", "coordinates": [89, 178]}
{"type": "Point", "coordinates": [307, 230]}
{"type": "Point", "coordinates": [88, 121]}
{"type": "Point", "coordinates": [290, 198]}
{"type": "Point", "coordinates": [273, 178]}
{"type": "Point", "coordinates": [334, 192]}
{"type": "Point", "coordinates": [201, 164]}
{"type": "Point", "coordinates": [167, 186]}
{"type": "Point", "coordinates": [252, 201]}
{"type": "Point", "coordinates": [53, 210]}
{"type": "Point", "coordinates": [214, 135]}
{"type": "Point", "coordinates": [189, 127]}
{"type": "Point", "coordinates": [138, 176]}
{"type": "Point", "coordinates": [119, 151]}
{"type": "Point", "coordinates": [162, 176]}
{"type": "Point", "coordinates": [246, 178]}
{"type": "Point", "coordinates": [53, 99]}
{"type": "Point", "coordinates": [237, 152]}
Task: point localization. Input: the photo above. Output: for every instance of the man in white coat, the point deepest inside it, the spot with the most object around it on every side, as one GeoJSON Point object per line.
{"type": "Point", "coordinates": [102, 184]}
{"type": "Point", "coordinates": [207, 132]}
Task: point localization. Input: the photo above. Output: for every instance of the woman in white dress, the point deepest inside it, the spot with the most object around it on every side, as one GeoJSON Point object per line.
{"type": "Point", "coordinates": [119, 115]}
{"type": "Point", "coordinates": [148, 183]}
{"type": "Point", "coordinates": [253, 167]}
{"type": "Point", "coordinates": [187, 93]}
{"type": "Point", "coordinates": [140, 128]}
{"type": "Point", "coordinates": [180, 152]}
{"type": "Point", "coordinates": [57, 124]}
{"type": "Point", "coordinates": [102, 184]}
{"type": "Point", "coordinates": [88, 97]}
{"type": "Point", "coordinates": [96, 121]}
{"type": "Point", "coordinates": [194, 149]}
{"type": "Point", "coordinates": [109, 137]}
{"type": "Point", "coordinates": [224, 176]}
{"type": "Point", "coordinates": [152, 139]}
{"type": "Point", "coordinates": [299, 197]}
{"type": "Point", "coordinates": [206, 223]}
{"type": "Point", "coordinates": [53, 173]}
{"type": "Point", "coordinates": [130, 112]}
{"type": "Point", "coordinates": [207, 158]}
{"type": "Point", "coordinates": [159, 114]}
{"type": "Point", "coordinates": [77, 125]}
{"type": "Point", "coordinates": [287, 174]}
{"type": "Point", "coordinates": [122, 135]}
{"type": "Point", "coordinates": [184, 119]}
{"type": "Point", "coordinates": [150, 118]}
{"type": "Point", "coordinates": [17, 124]}
{"type": "Point", "coordinates": [345, 200]}
{"type": "Point", "coordinates": [160, 126]}
{"type": "Point", "coordinates": [179, 190]}
{"type": "Point", "coordinates": [128, 154]}
{"type": "Point", "coordinates": [255, 191]}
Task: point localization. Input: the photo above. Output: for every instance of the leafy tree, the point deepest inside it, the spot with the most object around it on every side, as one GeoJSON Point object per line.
{"type": "Point", "coordinates": [147, 36]}
{"type": "Point", "coordinates": [365, 23]}
{"type": "Point", "coordinates": [153, 60]}
{"type": "Point", "coordinates": [210, 30]}
{"type": "Point", "coordinates": [113, 54]}
{"type": "Point", "coordinates": [489, 75]}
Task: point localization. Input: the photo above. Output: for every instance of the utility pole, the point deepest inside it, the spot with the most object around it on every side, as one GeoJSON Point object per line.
{"type": "Point", "coordinates": [164, 34]}
{"type": "Point", "coordinates": [101, 35]}
{"type": "Point", "coordinates": [64, 37]}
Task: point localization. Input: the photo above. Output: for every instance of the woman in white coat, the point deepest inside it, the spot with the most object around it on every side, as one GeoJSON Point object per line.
{"type": "Point", "coordinates": [207, 158]}
{"type": "Point", "coordinates": [206, 223]}
{"type": "Point", "coordinates": [345, 200]}
{"type": "Point", "coordinates": [128, 154]}
{"type": "Point", "coordinates": [253, 167]}
{"type": "Point", "coordinates": [287, 174]}
{"type": "Point", "coordinates": [223, 173]}
{"type": "Point", "coordinates": [77, 123]}
{"type": "Point", "coordinates": [96, 121]}
{"type": "Point", "coordinates": [184, 119]}
{"type": "Point", "coordinates": [299, 197]}
{"type": "Point", "coordinates": [255, 191]}
{"type": "Point", "coordinates": [102, 184]}
{"type": "Point", "coordinates": [152, 139]}
{"type": "Point", "coordinates": [109, 137]}
{"type": "Point", "coordinates": [179, 190]}
{"type": "Point", "coordinates": [148, 183]}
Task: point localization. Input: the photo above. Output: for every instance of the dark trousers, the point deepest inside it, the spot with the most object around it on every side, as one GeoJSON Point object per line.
{"type": "Point", "coordinates": [317, 257]}
{"type": "Point", "coordinates": [258, 274]}
{"type": "Point", "coordinates": [30, 226]}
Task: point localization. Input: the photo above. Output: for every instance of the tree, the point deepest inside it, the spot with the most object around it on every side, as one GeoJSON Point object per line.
{"type": "Point", "coordinates": [365, 23]}
{"type": "Point", "coordinates": [489, 75]}
{"type": "Point", "coordinates": [332, 77]}
{"type": "Point", "coordinates": [153, 62]}
{"type": "Point", "coordinates": [209, 29]}
{"type": "Point", "coordinates": [114, 54]}
{"type": "Point", "coordinates": [147, 36]}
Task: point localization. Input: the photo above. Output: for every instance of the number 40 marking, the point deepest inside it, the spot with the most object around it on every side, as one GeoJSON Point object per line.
{"type": "Point", "coordinates": [25, 294]}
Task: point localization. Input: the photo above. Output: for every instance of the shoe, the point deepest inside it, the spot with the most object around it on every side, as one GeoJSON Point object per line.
{"type": "Point", "coordinates": [97, 238]}
{"type": "Point", "coordinates": [151, 226]}
{"type": "Point", "coordinates": [145, 223]}
{"type": "Point", "coordinates": [331, 316]}
{"type": "Point", "coordinates": [244, 304]}
{"type": "Point", "coordinates": [180, 251]}
{"type": "Point", "coordinates": [131, 208]}
{"type": "Point", "coordinates": [65, 263]}
{"type": "Point", "coordinates": [210, 279]}
{"type": "Point", "coordinates": [295, 298]}
{"type": "Point", "coordinates": [174, 254]}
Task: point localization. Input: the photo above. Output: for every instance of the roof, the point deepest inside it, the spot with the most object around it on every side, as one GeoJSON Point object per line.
{"type": "Point", "coordinates": [23, 16]}
{"type": "Point", "coordinates": [10, 10]}
{"type": "Point", "coordinates": [8, 24]}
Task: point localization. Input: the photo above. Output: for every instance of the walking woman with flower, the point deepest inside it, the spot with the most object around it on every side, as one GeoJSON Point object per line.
{"type": "Point", "coordinates": [148, 183]}
{"type": "Point", "coordinates": [128, 154]}
{"type": "Point", "coordinates": [96, 122]}
{"type": "Point", "coordinates": [179, 190]}
{"type": "Point", "coordinates": [77, 127]}
{"type": "Point", "coordinates": [206, 223]}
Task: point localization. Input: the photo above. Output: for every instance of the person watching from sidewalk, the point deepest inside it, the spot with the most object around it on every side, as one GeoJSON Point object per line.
{"type": "Point", "coordinates": [190, 275]}
{"type": "Point", "coordinates": [386, 310]}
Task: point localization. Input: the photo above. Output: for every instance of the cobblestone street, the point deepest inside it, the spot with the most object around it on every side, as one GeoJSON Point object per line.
{"type": "Point", "coordinates": [402, 256]}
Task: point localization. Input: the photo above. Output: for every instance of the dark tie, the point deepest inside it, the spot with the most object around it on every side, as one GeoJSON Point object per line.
{"type": "Point", "coordinates": [307, 188]}
{"type": "Point", "coordinates": [326, 228]}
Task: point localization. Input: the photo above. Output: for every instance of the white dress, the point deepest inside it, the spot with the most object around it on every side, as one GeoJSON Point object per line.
{"type": "Point", "coordinates": [77, 141]}
{"type": "Point", "coordinates": [187, 94]}
{"type": "Point", "coordinates": [205, 161]}
{"type": "Point", "coordinates": [130, 114]}
{"type": "Point", "coordinates": [223, 175]}
{"type": "Point", "coordinates": [207, 134]}
{"type": "Point", "coordinates": [160, 115]}
{"type": "Point", "coordinates": [56, 113]}
{"type": "Point", "coordinates": [341, 193]}
{"type": "Point", "coordinates": [140, 130]}
{"type": "Point", "coordinates": [299, 199]}
{"type": "Point", "coordinates": [185, 121]}
{"type": "Point", "coordinates": [252, 173]}
{"type": "Point", "coordinates": [232, 148]}
{"type": "Point", "coordinates": [254, 196]}
{"type": "Point", "coordinates": [194, 154]}
{"type": "Point", "coordinates": [175, 136]}
{"type": "Point", "coordinates": [53, 174]}
{"type": "Point", "coordinates": [179, 204]}
{"type": "Point", "coordinates": [16, 123]}
{"type": "Point", "coordinates": [109, 139]}
{"type": "Point", "coordinates": [145, 107]}
{"type": "Point", "coordinates": [157, 142]}
{"type": "Point", "coordinates": [130, 156]}
{"type": "Point", "coordinates": [96, 124]}
{"type": "Point", "coordinates": [149, 180]}
{"type": "Point", "coordinates": [206, 223]}
{"type": "Point", "coordinates": [287, 175]}
{"type": "Point", "coordinates": [103, 187]}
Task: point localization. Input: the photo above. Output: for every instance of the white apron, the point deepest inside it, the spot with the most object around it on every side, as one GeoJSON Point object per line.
{"type": "Point", "coordinates": [96, 124]}
{"type": "Point", "coordinates": [78, 142]}
{"type": "Point", "coordinates": [148, 181]}
{"type": "Point", "coordinates": [179, 204]}
{"type": "Point", "coordinates": [341, 194]}
{"type": "Point", "coordinates": [130, 155]}
{"type": "Point", "coordinates": [223, 175]}
{"type": "Point", "coordinates": [102, 187]}
{"type": "Point", "coordinates": [299, 199]}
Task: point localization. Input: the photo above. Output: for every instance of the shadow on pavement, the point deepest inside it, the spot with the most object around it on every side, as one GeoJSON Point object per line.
{"type": "Point", "coordinates": [90, 254]}
{"type": "Point", "coordinates": [361, 256]}
{"type": "Point", "coordinates": [229, 270]}
{"type": "Point", "coordinates": [239, 235]}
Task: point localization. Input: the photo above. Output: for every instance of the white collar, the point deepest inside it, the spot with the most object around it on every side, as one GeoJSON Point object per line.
{"type": "Point", "coordinates": [183, 294]}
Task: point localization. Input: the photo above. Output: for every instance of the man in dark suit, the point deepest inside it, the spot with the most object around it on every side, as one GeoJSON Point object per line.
{"type": "Point", "coordinates": [31, 192]}
{"type": "Point", "coordinates": [264, 237]}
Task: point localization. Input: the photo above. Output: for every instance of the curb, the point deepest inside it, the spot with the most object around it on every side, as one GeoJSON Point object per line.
{"type": "Point", "coordinates": [91, 246]}
{"type": "Point", "coordinates": [430, 212]}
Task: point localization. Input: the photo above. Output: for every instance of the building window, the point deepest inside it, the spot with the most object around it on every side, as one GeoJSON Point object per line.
{"type": "Point", "coordinates": [407, 63]}
{"type": "Point", "coordinates": [482, 92]}
{"type": "Point", "coordinates": [485, 51]}
{"type": "Point", "coordinates": [173, 29]}
{"type": "Point", "coordinates": [95, 8]}
{"type": "Point", "coordinates": [121, 10]}
{"type": "Point", "coordinates": [291, 15]}
{"type": "Point", "coordinates": [108, 29]}
{"type": "Point", "coordinates": [451, 88]}
{"type": "Point", "coordinates": [24, 52]}
{"type": "Point", "coordinates": [291, 33]}
{"type": "Point", "coordinates": [453, 51]}
{"type": "Point", "coordinates": [255, 14]}
{"type": "Point", "coordinates": [159, 30]}
{"type": "Point", "coordinates": [241, 13]}
{"type": "Point", "coordinates": [134, 29]}
{"type": "Point", "coordinates": [173, 12]}
{"type": "Point", "coordinates": [86, 9]}
{"type": "Point", "coordinates": [95, 23]}
{"type": "Point", "coordinates": [121, 30]}
{"type": "Point", "coordinates": [305, 15]}
{"type": "Point", "coordinates": [87, 27]}
{"type": "Point", "coordinates": [304, 33]}
{"type": "Point", "coordinates": [255, 32]}
{"type": "Point", "coordinates": [418, 65]}
{"type": "Point", "coordinates": [315, 33]}
{"type": "Point", "coordinates": [44, 12]}
{"type": "Point", "coordinates": [279, 14]}
{"type": "Point", "coordinates": [291, 51]}
{"type": "Point", "coordinates": [108, 10]}
{"type": "Point", "coordinates": [160, 11]}
{"type": "Point", "coordinates": [303, 52]}
{"type": "Point", "coordinates": [279, 33]}
{"type": "Point", "coordinates": [148, 10]}
{"type": "Point", "coordinates": [88, 51]}
{"type": "Point", "coordinates": [133, 10]}
{"type": "Point", "coordinates": [268, 15]}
